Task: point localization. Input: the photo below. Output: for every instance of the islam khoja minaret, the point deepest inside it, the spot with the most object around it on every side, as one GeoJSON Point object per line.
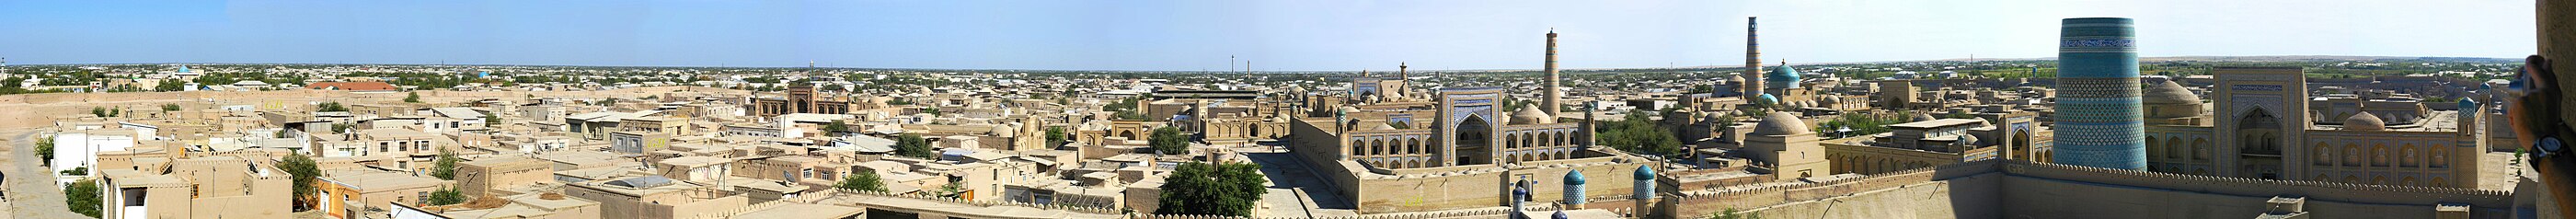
{"type": "Point", "coordinates": [2098, 120]}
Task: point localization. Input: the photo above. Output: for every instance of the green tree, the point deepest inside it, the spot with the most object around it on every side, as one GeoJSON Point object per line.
{"type": "Point", "coordinates": [491, 119]}
{"type": "Point", "coordinates": [864, 180]}
{"type": "Point", "coordinates": [45, 150]}
{"type": "Point", "coordinates": [169, 107]}
{"type": "Point", "coordinates": [446, 165]}
{"type": "Point", "coordinates": [98, 111]}
{"type": "Point", "coordinates": [444, 196]}
{"type": "Point", "coordinates": [83, 197]}
{"type": "Point", "coordinates": [168, 86]}
{"type": "Point", "coordinates": [413, 97]}
{"type": "Point", "coordinates": [835, 128]}
{"type": "Point", "coordinates": [1212, 189]}
{"type": "Point", "coordinates": [304, 171]}
{"type": "Point", "coordinates": [912, 145]}
{"type": "Point", "coordinates": [330, 107]}
{"type": "Point", "coordinates": [1637, 133]}
{"type": "Point", "coordinates": [1056, 136]}
{"type": "Point", "coordinates": [1168, 140]}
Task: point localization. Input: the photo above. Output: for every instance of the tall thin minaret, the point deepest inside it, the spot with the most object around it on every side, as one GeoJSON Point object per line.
{"type": "Point", "coordinates": [1399, 71]}
{"type": "Point", "coordinates": [1752, 59]}
{"type": "Point", "coordinates": [1549, 105]}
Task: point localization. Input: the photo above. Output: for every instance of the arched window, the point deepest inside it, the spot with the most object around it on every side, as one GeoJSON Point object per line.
{"type": "Point", "coordinates": [2351, 155]}
{"type": "Point", "coordinates": [2441, 158]}
{"type": "Point", "coordinates": [2407, 156]}
{"type": "Point", "coordinates": [2379, 157]}
{"type": "Point", "coordinates": [2325, 154]}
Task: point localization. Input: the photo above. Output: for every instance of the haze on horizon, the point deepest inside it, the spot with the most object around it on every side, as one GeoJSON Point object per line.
{"type": "Point", "coordinates": [1332, 35]}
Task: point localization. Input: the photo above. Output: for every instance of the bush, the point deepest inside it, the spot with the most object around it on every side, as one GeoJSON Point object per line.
{"type": "Point", "coordinates": [864, 180]}
{"type": "Point", "coordinates": [83, 197]}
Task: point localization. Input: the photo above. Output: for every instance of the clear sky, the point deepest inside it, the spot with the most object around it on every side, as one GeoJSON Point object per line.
{"type": "Point", "coordinates": [1200, 35]}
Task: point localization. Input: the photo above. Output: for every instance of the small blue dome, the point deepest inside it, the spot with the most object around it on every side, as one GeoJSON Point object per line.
{"type": "Point", "coordinates": [1766, 99]}
{"type": "Point", "coordinates": [1574, 177]}
{"type": "Point", "coordinates": [1645, 174]}
{"type": "Point", "coordinates": [2468, 104]}
{"type": "Point", "coordinates": [1560, 214]}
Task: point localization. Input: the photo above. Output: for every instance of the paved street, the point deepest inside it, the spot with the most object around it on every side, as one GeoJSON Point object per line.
{"type": "Point", "coordinates": [32, 193]}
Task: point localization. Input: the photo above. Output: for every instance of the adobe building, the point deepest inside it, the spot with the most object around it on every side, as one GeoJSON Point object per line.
{"type": "Point", "coordinates": [2265, 124]}
{"type": "Point", "coordinates": [1456, 149]}
{"type": "Point", "coordinates": [204, 187]}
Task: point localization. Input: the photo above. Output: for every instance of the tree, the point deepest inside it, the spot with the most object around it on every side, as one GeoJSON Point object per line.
{"type": "Point", "coordinates": [864, 180]}
{"type": "Point", "coordinates": [330, 107]}
{"type": "Point", "coordinates": [45, 150]}
{"type": "Point", "coordinates": [304, 171]}
{"type": "Point", "coordinates": [168, 86]}
{"type": "Point", "coordinates": [1168, 140]}
{"type": "Point", "coordinates": [98, 111]}
{"type": "Point", "coordinates": [444, 196]}
{"type": "Point", "coordinates": [1212, 189]}
{"type": "Point", "coordinates": [491, 119]}
{"type": "Point", "coordinates": [414, 97]}
{"type": "Point", "coordinates": [446, 165]}
{"type": "Point", "coordinates": [169, 107]}
{"type": "Point", "coordinates": [835, 128]}
{"type": "Point", "coordinates": [1638, 133]}
{"type": "Point", "coordinates": [83, 197]}
{"type": "Point", "coordinates": [1055, 136]}
{"type": "Point", "coordinates": [912, 145]}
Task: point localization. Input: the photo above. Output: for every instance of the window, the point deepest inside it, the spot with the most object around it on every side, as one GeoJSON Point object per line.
{"type": "Point", "coordinates": [2440, 159]}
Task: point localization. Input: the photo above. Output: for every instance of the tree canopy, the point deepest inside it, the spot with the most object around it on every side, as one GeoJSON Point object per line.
{"type": "Point", "coordinates": [864, 180]}
{"type": "Point", "coordinates": [1169, 140]}
{"type": "Point", "coordinates": [1199, 188]}
{"type": "Point", "coordinates": [912, 145]}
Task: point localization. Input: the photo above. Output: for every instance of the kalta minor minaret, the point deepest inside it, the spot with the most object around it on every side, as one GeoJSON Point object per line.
{"type": "Point", "coordinates": [1550, 104]}
{"type": "Point", "coordinates": [1752, 60]}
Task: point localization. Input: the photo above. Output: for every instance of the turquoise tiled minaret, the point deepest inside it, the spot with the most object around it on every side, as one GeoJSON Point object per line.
{"type": "Point", "coordinates": [2098, 121]}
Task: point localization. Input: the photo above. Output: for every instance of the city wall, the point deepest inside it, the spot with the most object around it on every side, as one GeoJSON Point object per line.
{"type": "Point", "coordinates": [2018, 189]}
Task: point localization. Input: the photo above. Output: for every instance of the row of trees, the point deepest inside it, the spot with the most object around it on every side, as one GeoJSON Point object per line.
{"type": "Point", "coordinates": [1638, 134]}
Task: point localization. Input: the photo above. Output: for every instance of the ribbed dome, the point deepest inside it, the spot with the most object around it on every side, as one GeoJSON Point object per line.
{"type": "Point", "coordinates": [1530, 115]}
{"type": "Point", "coordinates": [1920, 117]}
{"type": "Point", "coordinates": [2364, 122]}
{"type": "Point", "coordinates": [1780, 123]}
{"type": "Point", "coordinates": [2169, 93]}
{"type": "Point", "coordinates": [1573, 177]}
{"type": "Point", "coordinates": [1735, 79]}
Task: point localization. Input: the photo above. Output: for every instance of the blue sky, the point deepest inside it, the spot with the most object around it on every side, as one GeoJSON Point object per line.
{"type": "Point", "coordinates": [1199, 35]}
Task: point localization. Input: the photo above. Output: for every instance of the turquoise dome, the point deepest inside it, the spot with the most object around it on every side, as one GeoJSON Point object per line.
{"type": "Point", "coordinates": [1785, 77]}
{"type": "Point", "coordinates": [1645, 174]}
{"type": "Point", "coordinates": [1767, 99]}
{"type": "Point", "coordinates": [2468, 104]}
{"type": "Point", "coordinates": [1573, 177]}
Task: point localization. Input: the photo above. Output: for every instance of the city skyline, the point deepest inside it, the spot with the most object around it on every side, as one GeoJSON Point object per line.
{"type": "Point", "coordinates": [1193, 36]}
